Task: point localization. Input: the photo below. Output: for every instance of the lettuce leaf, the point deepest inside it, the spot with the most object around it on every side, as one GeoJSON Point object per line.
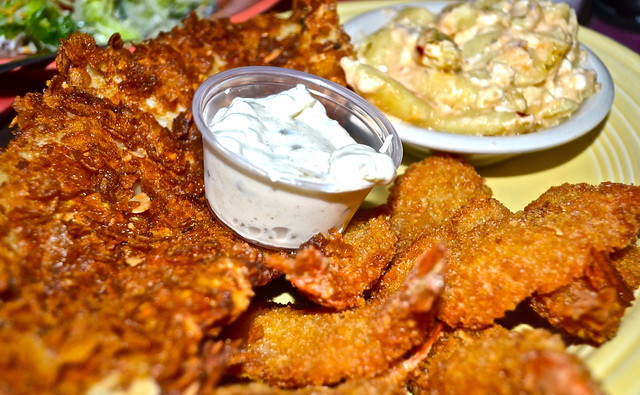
{"type": "Point", "coordinates": [40, 24]}
{"type": "Point", "coordinates": [134, 19]}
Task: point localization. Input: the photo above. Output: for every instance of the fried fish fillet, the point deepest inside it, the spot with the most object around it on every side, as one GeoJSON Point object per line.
{"type": "Point", "coordinates": [160, 76]}
{"type": "Point", "coordinates": [113, 270]}
{"type": "Point", "coordinates": [108, 250]}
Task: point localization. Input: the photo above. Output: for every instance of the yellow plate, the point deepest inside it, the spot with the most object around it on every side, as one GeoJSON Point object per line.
{"type": "Point", "coordinates": [611, 152]}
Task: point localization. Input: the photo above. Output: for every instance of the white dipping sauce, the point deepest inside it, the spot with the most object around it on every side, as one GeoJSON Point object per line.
{"type": "Point", "coordinates": [289, 136]}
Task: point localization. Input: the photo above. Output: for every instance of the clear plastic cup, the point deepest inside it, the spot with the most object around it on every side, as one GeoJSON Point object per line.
{"type": "Point", "coordinates": [287, 212]}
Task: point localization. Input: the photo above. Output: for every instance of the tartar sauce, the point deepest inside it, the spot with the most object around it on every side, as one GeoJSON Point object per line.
{"type": "Point", "coordinates": [289, 135]}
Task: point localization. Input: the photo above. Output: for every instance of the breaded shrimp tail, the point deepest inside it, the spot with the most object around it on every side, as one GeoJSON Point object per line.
{"type": "Point", "coordinates": [390, 382]}
{"type": "Point", "coordinates": [592, 306]}
{"type": "Point", "coordinates": [498, 263]}
{"type": "Point", "coordinates": [497, 361]}
{"type": "Point", "coordinates": [334, 269]}
{"type": "Point", "coordinates": [350, 344]}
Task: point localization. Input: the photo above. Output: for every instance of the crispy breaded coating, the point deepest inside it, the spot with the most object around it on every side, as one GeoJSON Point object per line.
{"type": "Point", "coordinates": [498, 361]}
{"type": "Point", "coordinates": [113, 269]}
{"type": "Point", "coordinates": [311, 39]}
{"type": "Point", "coordinates": [592, 306]}
{"type": "Point", "coordinates": [391, 382]}
{"type": "Point", "coordinates": [110, 249]}
{"type": "Point", "coordinates": [627, 263]}
{"type": "Point", "coordinates": [115, 275]}
{"type": "Point", "coordinates": [429, 192]}
{"type": "Point", "coordinates": [467, 217]}
{"type": "Point", "coordinates": [334, 269]}
{"type": "Point", "coordinates": [296, 347]}
{"type": "Point", "coordinates": [500, 262]}
{"type": "Point", "coordinates": [160, 76]}
{"type": "Point", "coordinates": [422, 200]}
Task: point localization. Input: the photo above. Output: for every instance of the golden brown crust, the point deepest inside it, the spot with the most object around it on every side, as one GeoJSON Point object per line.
{"type": "Point", "coordinates": [294, 347]}
{"type": "Point", "coordinates": [113, 269]}
{"type": "Point", "coordinates": [334, 269]}
{"type": "Point", "coordinates": [429, 192]}
{"type": "Point", "coordinates": [112, 266]}
{"type": "Point", "coordinates": [627, 263]}
{"type": "Point", "coordinates": [592, 306]}
{"type": "Point", "coordinates": [500, 262]}
{"type": "Point", "coordinates": [497, 361]}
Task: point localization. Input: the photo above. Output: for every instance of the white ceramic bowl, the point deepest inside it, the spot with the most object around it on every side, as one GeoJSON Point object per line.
{"type": "Point", "coordinates": [287, 211]}
{"type": "Point", "coordinates": [485, 150]}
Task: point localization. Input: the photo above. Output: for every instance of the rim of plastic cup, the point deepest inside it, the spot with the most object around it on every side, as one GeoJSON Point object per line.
{"type": "Point", "coordinates": [217, 83]}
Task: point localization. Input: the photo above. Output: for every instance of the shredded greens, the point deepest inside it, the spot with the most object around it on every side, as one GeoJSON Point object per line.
{"type": "Point", "coordinates": [38, 24]}
{"type": "Point", "coordinates": [33, 26]}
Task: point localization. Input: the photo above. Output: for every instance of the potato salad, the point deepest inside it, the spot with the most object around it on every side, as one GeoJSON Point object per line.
{"type": "Point", "coordinates": [483, 67]}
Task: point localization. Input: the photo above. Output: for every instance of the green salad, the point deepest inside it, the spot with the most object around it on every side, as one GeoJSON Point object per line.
{"type": "Point", "coordinates": [35, 26]}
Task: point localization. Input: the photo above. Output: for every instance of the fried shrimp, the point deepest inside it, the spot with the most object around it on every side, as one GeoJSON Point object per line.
{"type": "Point", "coordinates": [334, 269]}
{"type": "Point", "coordinates": [116, 277]}
{"type": "Point", "coordinates": [422, 200]}
{"type": "Point", "coordinates": [592, 306]}
{"type": "Point", "coordinates": [498, 263]}
{"type": "Point", "coordinates": [498, 361]}
{"type": "Point", "coordinates": [429, 192]}
{"type": "Point", "coordinates": [351, 344]}
{"type": "Point", "coordinates": [391, 382]}
{"type": "Point", "coordinates": [627, 263]}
